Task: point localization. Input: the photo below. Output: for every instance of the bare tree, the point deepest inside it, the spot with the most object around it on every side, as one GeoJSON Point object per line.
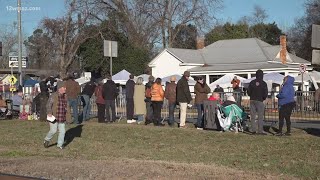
{"type": "Point", "coordinates": [153, 21]}
{"type": "Point", "coordinates": [170, 13]}
{"type": "Point", "coordinates": [132, 18]}
{"type": "Point", "coordinates": [259, 15]}
{"type": "Point", "coordinates": [9, 44]}
{"type": "Point", "coordinates": [69, 32]}
{"type": "Point", "coordinates": [40, 50]}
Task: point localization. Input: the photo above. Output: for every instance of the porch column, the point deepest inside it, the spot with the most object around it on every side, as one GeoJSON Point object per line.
{"type": "Point", "coordinates": [207, 79]}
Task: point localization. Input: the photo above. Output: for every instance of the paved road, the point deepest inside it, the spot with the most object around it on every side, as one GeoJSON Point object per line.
{"type": "Point", "coordinates": [15, 177]}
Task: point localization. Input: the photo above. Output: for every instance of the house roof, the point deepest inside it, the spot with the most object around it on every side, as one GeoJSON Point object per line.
{"type": "Point", "coordinates": [249, 50]}
{"type": "Point", "coordinates": [187, 55]}
{"type": "Point", "coordinates": [236, 67]}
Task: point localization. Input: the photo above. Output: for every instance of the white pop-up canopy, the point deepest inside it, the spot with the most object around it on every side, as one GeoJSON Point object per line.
{"type": "Point", "coordinates": [273, 77]}
{"type": "Point", "coordinates": [191, 81]}
{"type": "Point", "coordinates": [308, 76]}
{"type": "Point", "coordinates": [225, 81]}
{"type": "Point", "coordinates": [121, 77]}
{"type": "Point", "coordinates": [145, 78]}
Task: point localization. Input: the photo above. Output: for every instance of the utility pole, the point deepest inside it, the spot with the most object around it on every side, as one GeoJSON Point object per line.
{"type": "Point", "coordinates": [19, 43]}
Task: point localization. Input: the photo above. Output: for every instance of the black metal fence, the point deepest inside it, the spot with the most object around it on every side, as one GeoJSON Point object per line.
{"type": "Point", "coordinates": [307, 108]}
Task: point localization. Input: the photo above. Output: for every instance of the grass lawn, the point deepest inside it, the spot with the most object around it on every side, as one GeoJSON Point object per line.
{"type": "Point", "coordinates": [298, 155]}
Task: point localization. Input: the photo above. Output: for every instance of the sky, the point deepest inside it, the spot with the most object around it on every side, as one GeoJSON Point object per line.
{"type": "Point", "coordinates": [283, 12]}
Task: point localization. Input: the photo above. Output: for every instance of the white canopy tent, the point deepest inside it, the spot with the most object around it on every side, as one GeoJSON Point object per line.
{"type": "Point", "coordinates": [225, 81]}
{"type": "Point", "coordinates": [145, 78]}
{"type": "Point", "coordinates": [308, 76]}
{"type": "Point", "coordinates": [274, 77]}
{"type": "Point", "coordinates": [313, 76]}
{"type": "Point", "coordinates": [191, 81]}
{"type": "Point", "coordinates": [121, 77]}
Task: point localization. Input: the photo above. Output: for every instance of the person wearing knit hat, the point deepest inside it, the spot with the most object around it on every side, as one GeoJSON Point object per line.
{"type": "Point", "coordinates": [149, 114]}
{"type": "Point", "coordinates": [60, 84]}
{"type": "Point", "coordinates": [258, 92]}
{"type": "Point", "coordinates": [57, 106]}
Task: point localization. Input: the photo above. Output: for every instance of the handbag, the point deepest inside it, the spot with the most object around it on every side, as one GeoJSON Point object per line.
{"type": "Point", "coordinates": [23, 115]}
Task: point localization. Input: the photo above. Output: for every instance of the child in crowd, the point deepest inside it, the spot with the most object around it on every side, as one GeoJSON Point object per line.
{"type": "Point", "coordinates": [215, 97]}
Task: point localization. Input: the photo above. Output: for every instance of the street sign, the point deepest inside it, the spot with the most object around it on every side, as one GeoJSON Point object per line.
{"type": "Point", "coordinates": [110, 48]}
{"type": "Point", "coordinates": [302, 68]}
{"type": "Point", "coordinates": [12, 80]}
{"type": "Point", "coordinates": [13, 61]}
{"type": "Point", "coordinates": [12, 89]}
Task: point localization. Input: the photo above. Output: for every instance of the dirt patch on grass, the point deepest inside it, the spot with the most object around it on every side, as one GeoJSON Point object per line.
{"type": "Point", "coordinates": [55, 168]}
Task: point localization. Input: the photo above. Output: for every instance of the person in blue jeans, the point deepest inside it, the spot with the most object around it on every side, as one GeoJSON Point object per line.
{"type": "Point", "coordinates": [86, 94]}
{"type": "Point", "coordinates": [73, 91]}
{"type": "Point", "coordinates": [110, 93]}
{"type": "Point", "coordinates": [201, 89]}
{"type": "Point", "coordinates": [58, 107]}
{"type": "Point", "coordinates": [171, 95]}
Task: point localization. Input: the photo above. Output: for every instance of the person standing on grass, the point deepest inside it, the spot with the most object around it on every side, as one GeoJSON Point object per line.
{"type": "Point", "coordinates": [149, 116]}
{"type": "Point", "coordinates": [73, 91]}
{"type": "Point", "coordinates": [258, 92]}
{"type": "Point", "coordinates": [138, 99]}
{"type": "Point", "coordinates": [201, 89]}
{"type": "Point", "coordinates": [286, 104]}
{"type": "Point", "coordinates": [157, 96]}
{"type": "Point", "coordinates": [129, 98]}
{"type": "Point", "coordinates": [171, 94]}
{"type": "Point", "coordinates": [58, 107]}
{"type": "Point", "coordinates": [87, 93]}
{"type": "Point", "coordinates": [100, 102]}
{"type": "Point", "coordinates": [218, 89]}
{"type": "Point", "coordinates": [183, 97]}
{"type": "Point", "coordinates": [110, 93]}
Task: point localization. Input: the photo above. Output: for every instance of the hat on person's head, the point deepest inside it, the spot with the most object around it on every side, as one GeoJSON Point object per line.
{"type": "Point", "coordinates": [231, 98]}
{"type": "Point", "coordinates": [151, 78]}
{"type": "Point", "coordinates": [186, 73]}
{"type": "Point", "coordinates": [173, 78]}
{"type": "Point", "coordinates": [60, 84]}
{"type": "Point", "coordinates": [108, 76]}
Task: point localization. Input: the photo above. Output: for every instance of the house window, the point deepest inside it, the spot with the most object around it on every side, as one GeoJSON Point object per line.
{"type": "Point", "coordinates": [243, 75]}
{"type": "Point", "coordinates": [197, 77]}
{"type": "Point", "coordinates": [213, 78]}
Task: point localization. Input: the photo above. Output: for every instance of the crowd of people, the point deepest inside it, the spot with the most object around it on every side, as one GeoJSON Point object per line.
{"type": "Point", "coordinates": [146, 101]}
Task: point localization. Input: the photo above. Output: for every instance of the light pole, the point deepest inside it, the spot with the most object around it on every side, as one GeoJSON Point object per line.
{"type": "Point", "coordinates": [19, 43]}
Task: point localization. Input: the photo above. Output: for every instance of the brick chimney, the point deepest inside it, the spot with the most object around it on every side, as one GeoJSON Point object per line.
{"type": "Point", "coordinates": [200, 43]}
{"type": "Point", "coordinates": [283, 51]}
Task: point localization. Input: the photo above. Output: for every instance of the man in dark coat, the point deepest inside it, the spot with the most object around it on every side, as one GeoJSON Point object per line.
{"type": "Point", "coordinates": [183, 97]}
{"type": "Point", "coordinates": [149, 109]}
{"type": "Point", "coordinates": [258, 92]}
{"type": "Point", "coordinates": [86, 95]}
{"type": "Point", "coordinates": [171, 94]}
{"type": "Point", "coordinates": [110, 93]}
{"type": "Point", "coordinates": [129, 98]}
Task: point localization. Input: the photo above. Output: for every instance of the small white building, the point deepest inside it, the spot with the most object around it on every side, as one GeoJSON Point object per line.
{"type": "Point", "coordinates": [242, 57]}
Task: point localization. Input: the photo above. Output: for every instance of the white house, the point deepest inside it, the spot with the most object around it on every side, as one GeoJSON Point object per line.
{"type": "Point", "coordinates": [242, 57]}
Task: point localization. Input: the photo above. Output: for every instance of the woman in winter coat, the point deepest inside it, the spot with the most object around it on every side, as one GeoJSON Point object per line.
{"type": "Point", "coordinates": [286, 104]}
{"type": "Point", "coordinates": [100, 102]}
{"type": "Point", "coordinates": [138, 99]}
{"type": "Point", "coordinates": [157, 96]}
{"type": "Point", "coordinates": [201, 89]}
